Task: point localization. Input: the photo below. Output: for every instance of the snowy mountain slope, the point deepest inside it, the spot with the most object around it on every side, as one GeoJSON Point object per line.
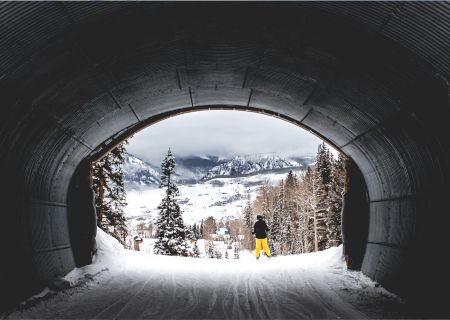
{"type": "Point", "coordinates": [220, 194]}
{"type": "Point", "coordinates": [192, 168]}
{"type": "Point", "coordinates": [139, 173]}
{"type": "Point", "coordinates": [248, 165]}
{"type": "Point", "coordinates": [222, 198]}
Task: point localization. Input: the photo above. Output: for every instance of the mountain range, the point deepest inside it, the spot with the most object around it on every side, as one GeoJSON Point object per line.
{"type": "Point", "coordinates": [247, 165]}
{"type": "Point", "coordinates": [195, 169]}
{"type": "Point", "coordinates": [137, 172]}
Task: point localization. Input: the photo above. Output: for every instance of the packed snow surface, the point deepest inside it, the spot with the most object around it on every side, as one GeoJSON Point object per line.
{"type": "Point", "coordinates": [132, 284]}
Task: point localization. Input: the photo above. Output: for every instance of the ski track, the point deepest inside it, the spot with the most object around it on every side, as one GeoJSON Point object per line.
{"type": "Point", "coordinates": [219, 289]}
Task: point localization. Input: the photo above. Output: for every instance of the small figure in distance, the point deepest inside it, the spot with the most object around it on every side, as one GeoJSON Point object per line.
{"type": "Point", "coordinates": [260, 231]}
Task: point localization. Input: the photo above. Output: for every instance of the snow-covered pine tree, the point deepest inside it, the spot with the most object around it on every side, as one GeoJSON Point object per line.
{"type": "Point", "coordinates": [189, 233]}
{"type": "Point", "coordinates": [306, 208]}
{"type": "Point", "coordinates": [337, 188]}
{"type": "Point", "coordinates": [217, 254]}
{"type": "Point", "coordinates": [171, 236]}
{"type": "Point", "coordinates": [195, 251]}
{"type": "Point", "coordinates": [324, 166]}
{"type": "Point", "coordinates": [248, 221]}
{"type": "Point", "coordinates": [110, 195]}
{"type": "Point", "coordinates": [248, 214]}
{"type": "Point", "coordinates": [320, 209]}
{"type": "Point", "coordinates": [277, 227]}
{"type": "Point", "coordinates": [293, 236]}
{"type": "Point", "coordinates": [210, 249]}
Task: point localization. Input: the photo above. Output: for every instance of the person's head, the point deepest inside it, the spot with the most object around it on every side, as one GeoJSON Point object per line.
{"type": "Point", "coordinates": [259, 217]}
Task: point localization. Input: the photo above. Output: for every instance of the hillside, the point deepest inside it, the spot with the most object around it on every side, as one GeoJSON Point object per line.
{"type": "Point", "coordinates": [248, 165]}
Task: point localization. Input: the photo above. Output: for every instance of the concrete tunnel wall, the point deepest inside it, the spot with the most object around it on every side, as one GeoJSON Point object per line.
{"type": "Point", "coordinates": [370, 78]}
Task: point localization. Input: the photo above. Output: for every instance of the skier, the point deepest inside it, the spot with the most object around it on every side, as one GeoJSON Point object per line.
{"type": "Point", "coordinates": [260, 231]}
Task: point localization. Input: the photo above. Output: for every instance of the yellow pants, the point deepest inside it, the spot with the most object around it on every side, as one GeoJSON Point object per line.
{"type": "Point", "coordinates": [263, 243]}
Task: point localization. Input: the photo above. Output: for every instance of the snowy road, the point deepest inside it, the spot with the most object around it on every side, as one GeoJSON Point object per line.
{"type": "Point", "coordinates": [145, 286]}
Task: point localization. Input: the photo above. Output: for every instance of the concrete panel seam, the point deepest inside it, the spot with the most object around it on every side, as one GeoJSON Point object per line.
{"type": "Point", "coordinates": [48, 203]}
{"type": "Point", "coordinates": [409, 196]}
{"type": "Point", "coordinates": [134, 112]}
{"type": "Point", "coordinates": [114, 99]}
{"type": "Point", "coordinates": [306, 115]}
{"type": "Point", "coordinates": [54, 248]}
{"type": "Point", "coordinates": [249, 97]}
{"type": "Point", "coordinates": [386, 244]}
{"type": "Point", "coordinates": [67, 132]}
{"type": "Point", "coordinates": [310, 95]}
{"type": "Point", "coordinates": [372, 128]}
{"type": "Point", "coordinates": [179, 79]}
{"type": "Point", "coordinates": [190, 96]}
{"type": "Point", "coordinates": [245, 77]}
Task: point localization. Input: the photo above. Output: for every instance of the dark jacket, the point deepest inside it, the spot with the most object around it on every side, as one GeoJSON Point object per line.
{"type": "Point", "coordinates": [259, 229]}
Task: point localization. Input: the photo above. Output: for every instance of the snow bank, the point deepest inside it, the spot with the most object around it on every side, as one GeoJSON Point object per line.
{"type": "Point", "coordinates": [108, 248]}
{"type": "Point", "coordinates": [110, 255]}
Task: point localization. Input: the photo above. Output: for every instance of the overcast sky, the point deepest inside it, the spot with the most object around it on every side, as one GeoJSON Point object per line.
{"type": "Point", "coordinates": [221, 133]}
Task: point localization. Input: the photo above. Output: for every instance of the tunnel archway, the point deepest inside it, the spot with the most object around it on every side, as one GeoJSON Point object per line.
{"type": "Point", "coordinates": [81, 212]}
{"type": "Point", "coordinates": [76, 76]}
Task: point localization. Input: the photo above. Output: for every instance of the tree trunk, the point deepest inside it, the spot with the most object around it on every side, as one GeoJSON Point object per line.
{"type": "Point", "coordinates": [316, 245]}
{"type": "Point", "coordinates": [100, 197]}
{"type": "Point", "coordinates": [305, 232]}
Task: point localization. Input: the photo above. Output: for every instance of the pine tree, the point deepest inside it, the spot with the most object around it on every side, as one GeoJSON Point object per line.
{"type": "Point", "coordinates": [248, 214]}
{"type": "Point", "coordinates": [210, 249]}
{"type": "Point", "coordinates": [196, 251]}
{"type": "Point", "coordinates": [277, 233]}
{"type": "Point", "coordinates": [200, 231]}
{"type": "Point", "coordinates": [108, 186]}
{"type": "Point", "coordinates": [324, 166]}
{"type": "Point", "coordinates": [195, 232]}
{"type": "Point", "coordinates": [171, 234]}
{"type": "Point", "coordinates": [334, 220]}
{"type": "Point", "coordinates": [189, 234]}
{"type": "Point", "coordinates": [323, 185]}
{"type": "Point", "coordinates": [293, 244]}
{"type": "Point", "coordinates": [217, 254]}
{"type": "Point", "coordinates": [307, 209]}
{"type": "Point", "coordinates": [248, 218]}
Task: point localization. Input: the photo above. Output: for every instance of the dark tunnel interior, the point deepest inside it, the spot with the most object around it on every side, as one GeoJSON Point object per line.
{"type": "Point", "coordinates": [371, 78]}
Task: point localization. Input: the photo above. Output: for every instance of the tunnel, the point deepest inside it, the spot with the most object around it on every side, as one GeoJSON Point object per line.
{"type": "Point", "coordinates": [371, 78]}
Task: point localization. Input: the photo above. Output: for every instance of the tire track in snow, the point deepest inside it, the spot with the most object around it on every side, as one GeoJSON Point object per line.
{"type": "Point", "coordinates": [113, 310]}
{"type": "Point", "coordinates": [330, 299]}
{"type": "Point", "coordinates": [160, 287]}
{"type": "Point", "coordinates": [136, 303]}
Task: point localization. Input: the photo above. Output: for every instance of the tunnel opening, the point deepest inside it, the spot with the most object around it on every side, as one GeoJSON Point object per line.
{"type": "Point", "coordinates": [358, 218]}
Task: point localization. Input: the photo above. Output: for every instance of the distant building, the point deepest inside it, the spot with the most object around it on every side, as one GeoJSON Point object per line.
{"type": "Point", "coordinates": [222, 234]}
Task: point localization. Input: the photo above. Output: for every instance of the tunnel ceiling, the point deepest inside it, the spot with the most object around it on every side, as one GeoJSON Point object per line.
{"type": "Point", "coordinates": [372, 78]}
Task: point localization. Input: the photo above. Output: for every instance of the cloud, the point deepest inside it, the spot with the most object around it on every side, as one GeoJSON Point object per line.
{"type": "Point", "coordinates": [221, 133]}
